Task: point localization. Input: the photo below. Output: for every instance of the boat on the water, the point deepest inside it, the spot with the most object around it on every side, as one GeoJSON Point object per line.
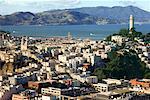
{"type": "Point", "coordinates": [92, 34]}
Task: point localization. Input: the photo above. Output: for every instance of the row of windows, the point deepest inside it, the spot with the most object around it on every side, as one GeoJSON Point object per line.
{"type": "Point", "coordinates": [48, 91]}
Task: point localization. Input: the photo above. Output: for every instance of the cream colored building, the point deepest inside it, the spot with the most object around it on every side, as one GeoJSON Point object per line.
{"type": "Point", "coordinates": [8, 57]}
{"type": "Point", "coordinates": [112, 81]}
{"type": "Point", "coordinates": [92, 79]}
{"type": "Point", "coordinates": [102, 87]}
{"type": "Point", "coordinates": [52, 91]}
{"type": "Point", "coordinates": [118, 39]}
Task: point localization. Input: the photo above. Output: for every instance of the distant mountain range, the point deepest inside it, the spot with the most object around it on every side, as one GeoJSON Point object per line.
{"type": "Point", "coordinates": [85, 15]}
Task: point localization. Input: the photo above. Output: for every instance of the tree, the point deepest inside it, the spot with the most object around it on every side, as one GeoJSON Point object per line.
{"type": "Point", "coordinates": [121, 65]}
{"type": "Point", "coordinates": [99, 73]}
{"type": "Point", "coordinates": [124, 32]}
{"type": "Point", "coordinates": [146, 38]}
{"type": "Point", "coordinates": [108, 38]}
{"type": "Point", "coordinates": [2, 31]}
{"type": "Point", "coordinates": [147, 75]}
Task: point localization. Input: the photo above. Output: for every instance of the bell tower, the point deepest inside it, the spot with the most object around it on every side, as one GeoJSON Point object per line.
{"type": "Point", "coordinates": [24, 43]}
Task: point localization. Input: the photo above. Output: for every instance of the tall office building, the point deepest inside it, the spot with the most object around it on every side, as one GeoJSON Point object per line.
{"type": "Point", "coordinates": [131, 23]}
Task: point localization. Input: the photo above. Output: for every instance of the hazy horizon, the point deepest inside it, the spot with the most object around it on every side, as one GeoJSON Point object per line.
{"type": "Point", "coordinates": [34, 6]}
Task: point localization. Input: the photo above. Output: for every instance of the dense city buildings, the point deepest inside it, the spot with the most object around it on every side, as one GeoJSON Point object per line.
{"type": "Point", "coordinates": [65, 68]}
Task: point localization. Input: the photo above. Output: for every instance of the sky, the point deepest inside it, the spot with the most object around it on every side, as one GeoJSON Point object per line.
{"type": "Point", "coordinates": [11, 6]}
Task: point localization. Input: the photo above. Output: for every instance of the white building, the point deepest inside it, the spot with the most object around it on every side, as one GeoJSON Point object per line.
{"type": "Point", "coordinates": [92, 79]}
{"type": "Point", "coordinates": [112, 81]}
{"type": "Point", "coordinates": [74, 63]}
{"type": "Point", "coordinates": [91, 58]}
{"type": "Point", "coordinates": [118, 39]}
{"type": "Point", "coordinates": [49, 97]}
{"type": "Point", "coordinates": [102, 87]}
{"type": "Point", "coordinates": [63, 58]}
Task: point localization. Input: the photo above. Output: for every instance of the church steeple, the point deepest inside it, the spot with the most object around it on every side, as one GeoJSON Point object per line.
{"type": "Point", "coordinates": [24, 43]}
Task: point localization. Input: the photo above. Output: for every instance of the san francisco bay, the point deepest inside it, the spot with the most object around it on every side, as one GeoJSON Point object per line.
{"type": "Point", "coordinates": [95, 32]}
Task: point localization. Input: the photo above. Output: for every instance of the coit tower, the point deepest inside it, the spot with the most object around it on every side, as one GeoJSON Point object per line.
{"type": "Point", "coordinates": [131, 22]}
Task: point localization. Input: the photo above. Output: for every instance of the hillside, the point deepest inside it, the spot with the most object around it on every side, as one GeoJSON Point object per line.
{"type": "Point", "coordinates": [86, 15]}
{"type": "Point", "coordinates": [116, 12]}
{"type": "Point", "coordinates": [58, 17]}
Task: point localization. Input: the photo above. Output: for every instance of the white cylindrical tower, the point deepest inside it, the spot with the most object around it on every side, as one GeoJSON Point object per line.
{"type": "Point", "coordinates": [131, 22]}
